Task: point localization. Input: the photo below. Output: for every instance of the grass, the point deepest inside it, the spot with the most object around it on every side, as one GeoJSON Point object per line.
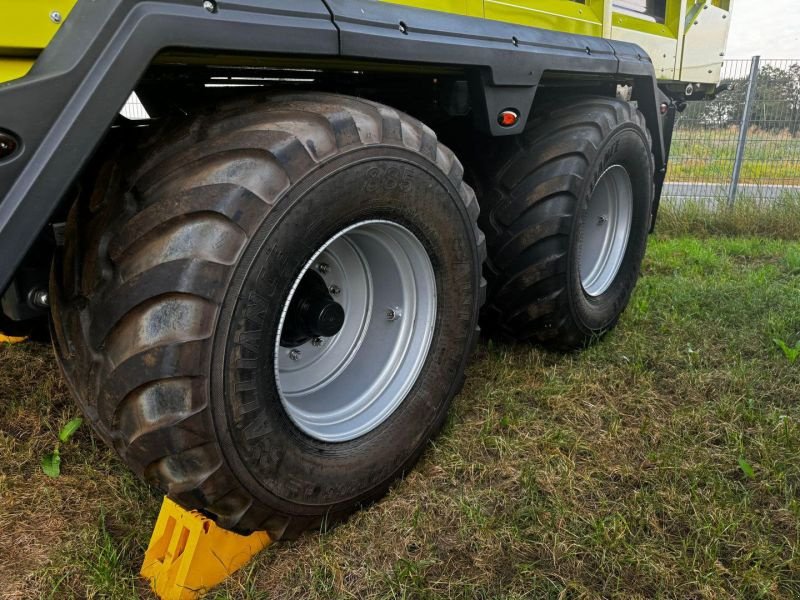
{"type": "Point", "coordinates": [707, 155]}
{"type": "Point", "coordinates": [779, 219]}
{"type": "Point", "coordinates": [662, 463]}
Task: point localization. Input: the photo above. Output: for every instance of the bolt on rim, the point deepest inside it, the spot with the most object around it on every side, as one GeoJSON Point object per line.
{"type": "Point", "coordinates": [604, 230]}
{"type": "Point", "coordinates": [339, 387]}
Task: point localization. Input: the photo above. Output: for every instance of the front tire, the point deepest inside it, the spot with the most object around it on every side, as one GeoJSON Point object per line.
{"type": "Point", "coordinates": [192, 291]}
{"type": "Point", "coordinates": [566, 211]}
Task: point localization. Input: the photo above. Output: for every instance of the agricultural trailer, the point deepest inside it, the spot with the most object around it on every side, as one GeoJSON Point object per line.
{"type": "Point", "coordinates": [265, 294]}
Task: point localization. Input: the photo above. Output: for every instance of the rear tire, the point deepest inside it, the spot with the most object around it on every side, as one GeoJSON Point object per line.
{"type": "Point", "coordinates": [173, 298]}
{"type": "Point", "coordinates": [552, 279]}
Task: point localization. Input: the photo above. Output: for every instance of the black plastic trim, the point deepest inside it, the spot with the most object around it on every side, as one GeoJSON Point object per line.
{"type": "Point", "coordinates": [668, 128]}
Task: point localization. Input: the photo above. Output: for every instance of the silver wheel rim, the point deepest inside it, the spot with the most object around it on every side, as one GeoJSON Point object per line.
{"type": "Point", "coordinates": [605, 229]}
{"type": "Point", "coordinates": [341, 387]}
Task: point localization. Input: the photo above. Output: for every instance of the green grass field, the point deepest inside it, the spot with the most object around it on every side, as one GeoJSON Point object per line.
{"type": "Point", "coordinates": [707, 155]}
{"type": "Point", "coordinates": [662, 463]}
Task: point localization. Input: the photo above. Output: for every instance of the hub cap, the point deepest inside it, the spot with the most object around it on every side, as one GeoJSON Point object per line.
{"type": "Point", "coordinates": [355, 330]}
{"type": "Point", "coordinates": [605, 230]}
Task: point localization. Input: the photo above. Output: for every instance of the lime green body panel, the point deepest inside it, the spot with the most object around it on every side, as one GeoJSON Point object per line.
{"type": "Point", "coordinates": [470, 8]}
{"type": "Point", "coordinates": [559, 15]}
{"type": "Point", "coordinates": [27, 26]}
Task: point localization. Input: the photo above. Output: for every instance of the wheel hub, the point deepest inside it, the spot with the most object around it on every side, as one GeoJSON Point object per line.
{"type": "Point", "coordinates": [605, 229]}
{"type": "Point", "coordinates": [355, 330]}
{"type": "Point", "coordinates": [312, 313]}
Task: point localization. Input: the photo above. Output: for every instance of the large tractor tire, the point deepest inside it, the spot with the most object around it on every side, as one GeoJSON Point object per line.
{"type": "Point", "coordinates": [268, 315]}
{"type": "Point", "coordinates": [566, 211]}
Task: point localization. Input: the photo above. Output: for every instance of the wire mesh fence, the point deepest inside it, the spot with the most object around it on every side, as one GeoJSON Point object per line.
{"type": "Point", "coordinates": [715, 160]}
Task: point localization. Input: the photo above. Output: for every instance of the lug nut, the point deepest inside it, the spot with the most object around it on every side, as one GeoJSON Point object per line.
{"type": "Point", "coordinates": [392, 314]}
{"type": "Point", "coordinates": [294, 354]}
{"type": "Point", "coordinates": [335, 290]}
{"type": "Point", "coordinates": [602, 220]}
{"type": "Point", "coordinates": [323, 268]}
{"type": "Point", "coordinates": [316, 342]}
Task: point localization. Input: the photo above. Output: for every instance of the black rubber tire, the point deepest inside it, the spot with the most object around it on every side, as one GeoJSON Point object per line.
{"type": "Point", "coordinates": [533, 193]}
{"type": "Point", "coordinates": [168, 294]}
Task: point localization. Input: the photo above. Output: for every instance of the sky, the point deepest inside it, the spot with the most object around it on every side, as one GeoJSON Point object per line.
{"type": "Point", "coordinates": [770, 28]}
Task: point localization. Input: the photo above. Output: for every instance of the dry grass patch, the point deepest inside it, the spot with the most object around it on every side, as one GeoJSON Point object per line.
{"type": "Point", "coordinates": [52, 531]}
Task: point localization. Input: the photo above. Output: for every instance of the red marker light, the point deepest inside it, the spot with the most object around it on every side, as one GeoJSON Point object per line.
{"type": "Point", "coordinates": [508, 117]}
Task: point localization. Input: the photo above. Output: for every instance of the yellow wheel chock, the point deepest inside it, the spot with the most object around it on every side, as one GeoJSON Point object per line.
{"type": "Point", "coordinates": [189, 554]}
{"type": "Point", "coordinates": [10, 339]}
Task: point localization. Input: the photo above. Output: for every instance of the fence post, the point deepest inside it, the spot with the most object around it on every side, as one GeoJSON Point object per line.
{"type": "Point", "coordinates": [748, 108]}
